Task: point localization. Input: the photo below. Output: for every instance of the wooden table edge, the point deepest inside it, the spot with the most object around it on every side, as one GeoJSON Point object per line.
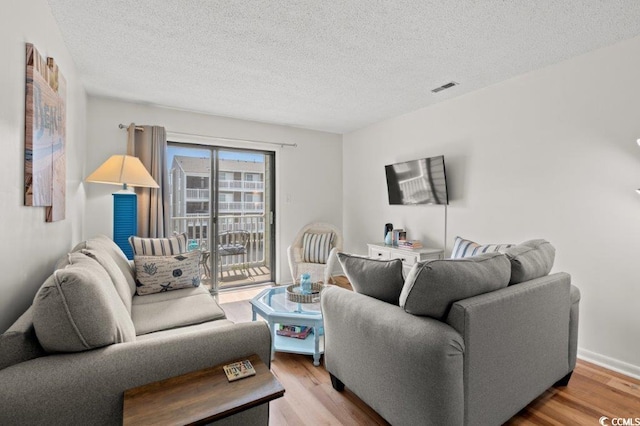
{"type": "Point", "coordinates": [135, 396]}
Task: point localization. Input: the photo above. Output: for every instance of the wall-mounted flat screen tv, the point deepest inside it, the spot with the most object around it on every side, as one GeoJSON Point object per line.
{"type": "Point", "coordinates": [418, 182]}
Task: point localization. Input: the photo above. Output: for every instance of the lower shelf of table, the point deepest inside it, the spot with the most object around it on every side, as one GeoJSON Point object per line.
{"type": "Point", "coordinates": [298, 346]}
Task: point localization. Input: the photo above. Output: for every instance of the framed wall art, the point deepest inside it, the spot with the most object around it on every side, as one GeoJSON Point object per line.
{"type": "Point", "coordinates": [45, 135]}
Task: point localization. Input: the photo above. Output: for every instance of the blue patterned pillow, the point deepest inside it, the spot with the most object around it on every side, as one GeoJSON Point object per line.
{"type": "Point", "coordinates": [467, 248]}
{"type": "Point", "coordinates": [155, 274]}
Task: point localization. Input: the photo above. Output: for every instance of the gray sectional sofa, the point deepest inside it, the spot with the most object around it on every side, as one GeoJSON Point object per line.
{"type": "Point", "coordinates": [88, 337]}
{"type": "Point", "coordinates": [460, 342]}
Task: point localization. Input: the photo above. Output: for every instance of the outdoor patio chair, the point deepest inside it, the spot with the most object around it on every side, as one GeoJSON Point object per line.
{"type": "Point", "coordinates": [233, 243]}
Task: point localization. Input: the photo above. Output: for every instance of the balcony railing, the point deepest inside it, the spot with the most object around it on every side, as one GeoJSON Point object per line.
{"type": "Point", "coordinates": [234, 185]}
{"type": "Point", "coordinates": [235, 207]}
{"type": "Point", "coordinates": [199, 194]}
{"type": "Point", "coordinates": [197, 228]}
{"type": "Point", "coordinates": [241, 184]}
{"type": "Point", "coordinates": [241, 206]}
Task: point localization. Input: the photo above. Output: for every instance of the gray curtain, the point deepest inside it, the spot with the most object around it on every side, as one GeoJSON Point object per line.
{"type": "Point", "coordinates": [150, 146]}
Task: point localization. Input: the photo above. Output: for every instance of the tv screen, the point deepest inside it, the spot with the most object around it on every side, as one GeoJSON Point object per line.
{"type": "Point", "coordinates": [418, 182]}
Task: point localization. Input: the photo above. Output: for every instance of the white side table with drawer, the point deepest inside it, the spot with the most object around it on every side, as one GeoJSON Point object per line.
{"type": "Point", "coordinates": [408, 256]}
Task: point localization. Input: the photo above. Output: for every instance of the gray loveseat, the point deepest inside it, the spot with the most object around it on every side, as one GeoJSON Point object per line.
{"type": "Point", "coordinates": [88, 337]}
{"type": "Point", "coordinates": [461, 342]}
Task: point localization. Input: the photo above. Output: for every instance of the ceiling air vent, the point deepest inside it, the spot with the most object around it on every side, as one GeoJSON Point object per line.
{"type": "Point", "coordinates": [444, 87]}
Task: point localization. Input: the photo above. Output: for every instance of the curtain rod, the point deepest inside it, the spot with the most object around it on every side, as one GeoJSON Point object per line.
{"type": "Point", "coordinates": [282, 144]}
{"type": "Point", "coordinates": [123, 126]}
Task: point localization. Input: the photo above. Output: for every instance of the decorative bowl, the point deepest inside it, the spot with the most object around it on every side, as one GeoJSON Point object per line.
{"type": "Point", "coordinates": [295, 294]}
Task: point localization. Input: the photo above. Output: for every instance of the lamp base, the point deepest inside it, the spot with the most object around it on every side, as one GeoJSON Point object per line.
{"type": "Point", "coordinates": [125, 220]}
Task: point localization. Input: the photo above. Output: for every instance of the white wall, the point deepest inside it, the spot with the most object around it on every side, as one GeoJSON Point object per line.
{"type": "Point", "coordinates": [551, 154]}
{"type": "Point", "coordinates": [309, 176]}
{"type": "Point", "coordinates": [30, 246]}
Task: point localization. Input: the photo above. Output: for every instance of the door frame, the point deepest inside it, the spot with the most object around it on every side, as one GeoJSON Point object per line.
{"type": "Point", "coordinates": [212, 225]}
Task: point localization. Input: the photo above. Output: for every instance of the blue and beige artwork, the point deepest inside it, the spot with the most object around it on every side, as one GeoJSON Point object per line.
{"type": "Point", "coordinates": [45, 134]}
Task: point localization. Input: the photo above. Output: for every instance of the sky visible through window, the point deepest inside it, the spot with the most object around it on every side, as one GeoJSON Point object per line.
{"type": "Point", "coordinates": [173, 150]}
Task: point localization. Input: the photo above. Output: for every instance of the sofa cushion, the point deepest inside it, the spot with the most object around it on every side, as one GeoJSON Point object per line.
{"type": "Point", "coordinates": [466, 248]}
{"type": "Point", "coordinates": [159, 246]}
{"type": "Point", "coordinates": [115, 273]}
{"type": "Point", "coordinates": [78, 308]}
{"type": "Point", "coordinates": [530, 260]}
{"type": "Point", "coordinates": [19, 343]}
{"type": "Point", "coordinates": [316, 247]}
{"type": "Point", "coordinates": [102, 242]}
{"type": "Point", "coordinates": [155, 274]}
{"type": "Point", "coordinates": [432, 287]}
{"type": "Point", "coordinates": [208, 325]}
{"type": "Point", "coordinates": [179, 308]}
{"type": "Point", "coordinates": [381, 279]}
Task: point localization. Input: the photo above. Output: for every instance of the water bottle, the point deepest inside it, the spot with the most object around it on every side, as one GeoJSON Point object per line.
{"type": "Point", "coordinates": [388, 239]}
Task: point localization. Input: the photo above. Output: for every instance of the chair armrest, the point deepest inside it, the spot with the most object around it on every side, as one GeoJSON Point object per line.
{"type": "Point", "coordinates": [377, 349]}
{"type": "Point", "coordinates": [331, 261]}
{"type": "Point", "coordinates": [293, 264]}
{"type": "Point", "coordinates": [88, 387]}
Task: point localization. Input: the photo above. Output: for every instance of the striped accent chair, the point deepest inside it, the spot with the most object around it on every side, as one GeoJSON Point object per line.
{"type": "Point", "coordinates": [314, 251]}
{"type": "Point", "coordinates": [467, 248]}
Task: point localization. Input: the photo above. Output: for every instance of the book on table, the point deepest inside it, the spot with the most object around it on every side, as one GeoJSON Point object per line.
{"type": "Point", "coordinates": [295, 331]}
{"type": "Point", "coordinates": [410, 244]}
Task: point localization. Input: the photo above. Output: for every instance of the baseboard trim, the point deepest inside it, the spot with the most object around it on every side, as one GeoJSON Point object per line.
{"type": "Point", "coordinates": [610, 363]}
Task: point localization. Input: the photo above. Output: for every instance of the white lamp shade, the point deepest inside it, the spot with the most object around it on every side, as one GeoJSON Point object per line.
{"type": "Point", "coordinates": [123, 170]}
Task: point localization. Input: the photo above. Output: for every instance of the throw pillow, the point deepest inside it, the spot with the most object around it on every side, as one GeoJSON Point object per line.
{"type": "Point", "coordinates": [530, 260]}
{"type": "Point", "coordinates": [316, 247]}
{"type": "Point", "coordinates": [106, 244]}
{"type": "Point", "coordinates": [78, 308]}
{"type": "Point", "coordinates": [159, 246]}
{"type": "Point", "coordinates": [155, 274]}
{"type": "Point", "coordinates": [432, 287]}
{"type": "Point", "coordinates": [117, 276]}
{"type": "Point", "coordinates": [466, 248]}
{"type": "Point", "coordinates": [381, 279]}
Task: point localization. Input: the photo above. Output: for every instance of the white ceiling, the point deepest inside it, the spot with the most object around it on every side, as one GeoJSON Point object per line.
{"type": "Point", "coordinates": [333, 65]}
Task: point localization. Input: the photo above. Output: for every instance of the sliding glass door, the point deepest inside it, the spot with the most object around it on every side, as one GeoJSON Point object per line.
{"type": "Point", "coordinates": [224, 200]}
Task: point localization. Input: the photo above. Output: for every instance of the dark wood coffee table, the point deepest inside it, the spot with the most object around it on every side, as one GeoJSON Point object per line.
{"type": "Point", "coordinates": [199, 397]}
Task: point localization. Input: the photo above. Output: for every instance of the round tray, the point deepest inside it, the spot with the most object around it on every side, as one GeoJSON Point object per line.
{"type": "Point", "coordinates": [294, 293]}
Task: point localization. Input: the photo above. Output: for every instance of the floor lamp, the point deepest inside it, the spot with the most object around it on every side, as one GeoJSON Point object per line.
{"type": "Point", "coordinates": [124, 170]}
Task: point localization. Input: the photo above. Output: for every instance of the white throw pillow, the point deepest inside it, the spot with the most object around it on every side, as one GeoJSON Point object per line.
{"type": "Point", "coordinates": [467, 248]}
{"type": "Point", "coordinates": [316, 247]}
{"type": "Point", "coordinates": [155, 274]}
{"type": "Point", "coordinates": [159, 246]}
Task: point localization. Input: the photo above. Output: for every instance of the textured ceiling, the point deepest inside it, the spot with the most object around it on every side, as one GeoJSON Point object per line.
{"type": "Point", "coordinates": [333, 65]}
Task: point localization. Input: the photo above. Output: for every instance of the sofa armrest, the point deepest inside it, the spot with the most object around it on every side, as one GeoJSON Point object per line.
{"type": "Point", "coordinates": [517, 345]}
{"type": "Point", "coordinates": [88, 387]}
{"type": "Point", "coordinates": [377, 350]}
{"type": "Point", "coordinates": [573, 327]}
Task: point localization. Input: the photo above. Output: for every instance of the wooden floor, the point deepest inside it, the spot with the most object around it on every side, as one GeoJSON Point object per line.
{"type": "Point", "coordinates": [310, 400]}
